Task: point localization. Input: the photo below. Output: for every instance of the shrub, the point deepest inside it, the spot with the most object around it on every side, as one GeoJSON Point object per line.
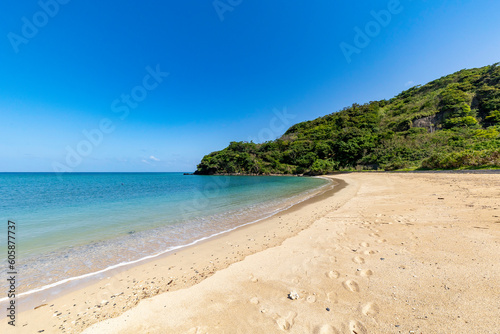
{"type": "Point", "coordinates": [321, 167]}
{"type": "Point", "coordinates": [467, 121]}
{"type": "Point", "coordinates": [469, 158]}
{"type": "Point", "coordinates": [493, 117]}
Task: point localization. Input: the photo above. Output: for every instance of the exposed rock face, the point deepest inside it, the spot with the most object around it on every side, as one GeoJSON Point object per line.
{"type": "Point", "coordinates": [431, 123]}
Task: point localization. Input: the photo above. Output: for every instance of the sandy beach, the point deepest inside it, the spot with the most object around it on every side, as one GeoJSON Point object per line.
{"type": "Point", "coordinates": [381, 253]}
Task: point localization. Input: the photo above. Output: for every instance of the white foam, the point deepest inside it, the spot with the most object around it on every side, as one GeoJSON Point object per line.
{"type": "Point", "coordinates": [170, 249]}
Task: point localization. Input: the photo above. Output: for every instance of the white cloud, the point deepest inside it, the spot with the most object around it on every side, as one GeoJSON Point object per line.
{"type": "Point", "coordinates": [146, 162]}
{"type": "Point", "coordinates": [154, 158]}
{"type": "Point", "coordinates": [409, 83]}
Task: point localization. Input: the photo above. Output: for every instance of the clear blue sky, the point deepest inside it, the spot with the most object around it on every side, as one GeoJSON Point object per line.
{"type": "Point", "coordinates": [228, 69]}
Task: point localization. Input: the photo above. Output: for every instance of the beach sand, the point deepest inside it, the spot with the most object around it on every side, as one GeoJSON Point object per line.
{"type": "Point", "coordinates": [385, 253]}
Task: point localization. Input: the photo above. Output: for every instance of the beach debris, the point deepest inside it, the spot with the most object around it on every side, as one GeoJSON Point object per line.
{"type": "Point", "coordinates": [40, 306]}
{"type": "Point", "coordinates": [382, 258]}
{"type": "Point", "coordinates": [328, 309]}
{"type": "Point", "coordinates": [293, 295]}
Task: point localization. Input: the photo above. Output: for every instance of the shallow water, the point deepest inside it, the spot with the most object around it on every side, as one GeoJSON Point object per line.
{"type": "Point", "coordinates": [78, 224]}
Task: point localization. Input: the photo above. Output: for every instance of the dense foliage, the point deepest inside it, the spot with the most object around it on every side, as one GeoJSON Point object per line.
{"type": "Point", "coordinates": [452, 122]}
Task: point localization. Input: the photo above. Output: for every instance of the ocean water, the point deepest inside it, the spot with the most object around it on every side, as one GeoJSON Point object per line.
{"type": "Point", "coordinates": [78, 224]}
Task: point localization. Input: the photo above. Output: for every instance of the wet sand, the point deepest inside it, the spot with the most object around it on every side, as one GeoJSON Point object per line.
{"type": "Point", "coordinates": [86, 302]}
{"type": "Point", "coordinates": [387, 253]}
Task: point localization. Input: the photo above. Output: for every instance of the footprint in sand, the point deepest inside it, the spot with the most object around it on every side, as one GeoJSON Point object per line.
{"type": "Point", "coordinates": [253, 278]}
{"type": "Point", "coordinates": [369, 252]}
{"type": "Point", "coordinates": [374, 235]}
{"type": "Point", "coordinates": [254, 300]}
{"type": "Point", "coordinates": [333, 274]}
{"type": "Point", "coordinates": [351, 285]}
{"type": "Point", "coordinates": [370, 309]}
{"type": "Point", "coordinates": [364, 272]}
{"type": "Point", "coordinates": [286, 323]}
{"type": "Point", "coordinates": [311, 299]}
{"type": "Point", "coordinates": [358, 260]}
{"type": "Point", "coordinates": [356, 327]}
{"type": "Point", "coordinates": [364, 244]}
{"type": "Point", "coordinates": [381, 241]}
{"type": "Point", "coordinates": [332, 297]}
{"type": "Point", "coordinates": [326, 329]}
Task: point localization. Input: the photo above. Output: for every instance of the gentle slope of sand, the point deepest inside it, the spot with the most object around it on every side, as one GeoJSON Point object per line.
{"type": "Point", "coordinates": [389, 253]}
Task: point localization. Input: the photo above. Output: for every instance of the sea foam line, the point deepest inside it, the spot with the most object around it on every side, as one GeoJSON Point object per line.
{"type": "Point", "coordinates": [64, 281]}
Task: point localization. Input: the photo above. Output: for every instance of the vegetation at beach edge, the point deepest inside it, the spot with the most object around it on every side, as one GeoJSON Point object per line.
{"type": "Point", "coordinates": [449, 123]}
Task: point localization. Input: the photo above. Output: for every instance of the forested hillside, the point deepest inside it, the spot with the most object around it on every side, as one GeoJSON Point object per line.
{"type": "Point", "coordinates": [452, 122]}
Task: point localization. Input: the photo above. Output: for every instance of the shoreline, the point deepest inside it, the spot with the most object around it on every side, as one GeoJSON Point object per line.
{"type": "Point", "coordinates": [34, 300]}
{"type": "Point", "coordinates": [388, 253]}
{"type": "Point", "coordinates": [394, 253]}
{"type": "Point", "coordinates": [124, 265]}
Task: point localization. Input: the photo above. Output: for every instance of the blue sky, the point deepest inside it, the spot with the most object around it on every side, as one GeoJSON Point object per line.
{"type": "Point", "coordinates": [237, 70]}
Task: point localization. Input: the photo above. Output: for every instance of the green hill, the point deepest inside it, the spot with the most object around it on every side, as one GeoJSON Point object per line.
{"type": "Point", "coordinates": [450, 123]}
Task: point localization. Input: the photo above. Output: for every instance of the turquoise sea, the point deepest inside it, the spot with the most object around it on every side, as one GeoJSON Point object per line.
{"type": "Point", "coordinates": [77, 224]}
